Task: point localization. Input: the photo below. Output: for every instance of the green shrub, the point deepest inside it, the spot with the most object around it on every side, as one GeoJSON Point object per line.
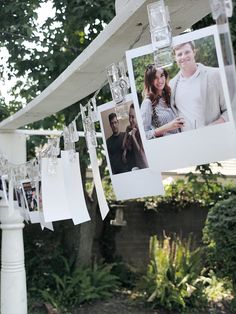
{"type": "Point", "coordinates": [220, 235]}
{"type": "Point", "coordinates": [82, 285]}
{"type": "Point", "coordinates": [201, 188]}
{"type": "Point", "coordinates": [216, 289]}
{"type": "Point", "coordinates": [172, 277]}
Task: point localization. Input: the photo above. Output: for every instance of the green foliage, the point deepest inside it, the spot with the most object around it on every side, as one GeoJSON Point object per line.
{"type": "Point", "coordinates": [206, 51]}
{"type": "Point", "coordinates": [208, 20]}
{"type": "Point", "coordinates": [43, 257]}
{"type": "Point", "coordinates": [220, 236]}
{"type": "Point", "coordinates": [54, 45]}
{"type": "Point", "coordinates": [82, 285]}
{"type": "Point", "coordinates": [200, 188]}
{"type": "Point", "coordinates": [172, 281]}
{"type": "Point", "coordinates": [67, 289]}
{"type": "Point", "coordinates": [217, 289]}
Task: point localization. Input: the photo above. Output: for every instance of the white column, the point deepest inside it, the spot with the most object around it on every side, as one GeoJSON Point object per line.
{"type": "Point", "coordinates": [13, 278]}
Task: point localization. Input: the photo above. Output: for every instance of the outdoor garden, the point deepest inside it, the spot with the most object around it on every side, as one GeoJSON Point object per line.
{"type": "Point", "coordinates": [79, 269]}
{"type": "Point", "coordinates": [182, 275]}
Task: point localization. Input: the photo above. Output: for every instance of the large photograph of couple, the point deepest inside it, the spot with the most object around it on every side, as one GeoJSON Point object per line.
{"type": "Point", "coordinates": [185, 96]}
{"type": "Point", "coordinates": [185, 104]}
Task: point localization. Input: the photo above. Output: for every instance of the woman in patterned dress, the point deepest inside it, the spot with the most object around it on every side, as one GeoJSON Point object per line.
{"type": "Point", "coordinates": [158, 117]}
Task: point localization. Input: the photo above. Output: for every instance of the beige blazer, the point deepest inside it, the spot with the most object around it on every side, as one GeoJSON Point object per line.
{"type": "Point", "coordinates": [212, 94]}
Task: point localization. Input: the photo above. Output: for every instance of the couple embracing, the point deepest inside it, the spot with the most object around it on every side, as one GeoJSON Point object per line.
{"type": "Point", "coordinates": [194, 98]}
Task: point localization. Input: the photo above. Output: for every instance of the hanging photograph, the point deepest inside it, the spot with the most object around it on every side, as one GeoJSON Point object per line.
{"type": "Point", "coordinates": [5, 187]}
{"type": "Point", "coordinates": [30, 196]}
{"type": "Point", "coordinates": [185, 104]}
{"type": "Point", "coordinates": [125, 153]}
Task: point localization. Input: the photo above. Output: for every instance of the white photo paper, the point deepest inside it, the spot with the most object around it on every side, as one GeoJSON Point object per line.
{"type": "Point", "coordinates": [74, 188]}
{"type": "Point", "coordinates": [102, 202]}
{"type": "Point", "coordinates": [54, 198]}
{"type": "Point", "coordinates": [62, 191]}
{"type": "Point", "coordinates": [130, 173]}
{"type": "Point", "coordinates": [183, 110]}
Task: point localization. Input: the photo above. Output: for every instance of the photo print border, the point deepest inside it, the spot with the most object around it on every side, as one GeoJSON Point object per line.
{"type": "Point", "coordinates": [128, 184]}
{"type": "Point", "coordinates": [199, 146]}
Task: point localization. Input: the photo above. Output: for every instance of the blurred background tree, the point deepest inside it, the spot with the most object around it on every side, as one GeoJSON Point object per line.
{"type": "Point", "coordinates": [37, 54]}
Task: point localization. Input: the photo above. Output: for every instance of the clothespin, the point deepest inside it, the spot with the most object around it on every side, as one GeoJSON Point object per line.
{"type": "Point", "coordinates": [161, 37]}
{"type": "Point", "coordinates": [53, 152]}
{"type": "Point", "coordinates": [94, 113]}
{"type": "Point", "coordinates": [3, 164]}
{"type": "Point", "coordinates": [89, 127]}
{"type": "Point", "coordinates": [119, 86]}
{"type": "Point", "coordinates": [221, 8]}
{"type": "Point", "coordinates": [73, 133]}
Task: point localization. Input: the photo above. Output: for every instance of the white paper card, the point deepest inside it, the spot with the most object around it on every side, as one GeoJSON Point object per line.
{"type": "Point", "coordinates": [54, 198]}
{"type": "Point", "coordinates": [104, 209]}
{"type": "Point", "coordinates": [74, 188]}
{"type": "Point", "coordinates": [45, 224]}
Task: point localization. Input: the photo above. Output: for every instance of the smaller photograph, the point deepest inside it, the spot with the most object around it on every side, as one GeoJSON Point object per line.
{"type": "Point", "coordinates": [5, 187]}
{"type": "Point", "coordinates": [1, 189]}
{"type": "Point", "coordinates": [123, 141]}
{"type": "Point", "coordinates": [17, 196]}
{"type": "Point", "coordinates": [30, 196]}
{"type": "Point", "coordinates": [18, 192]}
{"type": "Point", "coordinates": [39, 193]}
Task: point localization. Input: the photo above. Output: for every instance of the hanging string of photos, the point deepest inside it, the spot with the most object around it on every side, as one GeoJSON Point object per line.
{"type": "Point", "coordinates": [49, 187]}
{"type": "Point", "coordinates": [32, 190]}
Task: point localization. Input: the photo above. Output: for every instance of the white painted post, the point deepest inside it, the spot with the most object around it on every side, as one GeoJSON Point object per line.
{"type": "Point", "coordinates": [13, 278]}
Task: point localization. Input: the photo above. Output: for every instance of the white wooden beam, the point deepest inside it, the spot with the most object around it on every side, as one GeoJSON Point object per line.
{"type": "Point", "coordinates": [87, 73]}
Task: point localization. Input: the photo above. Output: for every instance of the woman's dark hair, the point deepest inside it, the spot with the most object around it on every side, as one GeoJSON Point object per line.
{"type": "Point", "coordinates": [150, 89]}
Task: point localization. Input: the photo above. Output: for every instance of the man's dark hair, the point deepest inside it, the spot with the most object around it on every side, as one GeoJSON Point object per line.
{"type": "Point", "coordinates": [112, 116]}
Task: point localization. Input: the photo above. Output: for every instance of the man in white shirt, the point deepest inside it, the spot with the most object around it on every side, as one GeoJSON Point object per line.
{"type": "Point", "coordinates": [196, 91]}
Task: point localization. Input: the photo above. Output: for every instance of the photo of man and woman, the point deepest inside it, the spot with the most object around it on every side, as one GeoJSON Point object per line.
{"type": "Point", "coordinates": [184, 104]}
{"type": "Point", "coordinates": [123, 141]}
{"type": "Point", "coordinates": [185, 96]}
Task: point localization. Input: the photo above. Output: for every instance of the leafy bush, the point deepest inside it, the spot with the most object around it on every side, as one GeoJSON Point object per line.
{"type": "Point", "coordinates": [82, 285]}
{"type": "Point", "coordinates": [216, 289]}
{"type": "Point", "coordinates": [183, 193]}
{"type": "Point", "coordinates": [220, 235]}
{"type": "Point", "coordinates": [172, 279]}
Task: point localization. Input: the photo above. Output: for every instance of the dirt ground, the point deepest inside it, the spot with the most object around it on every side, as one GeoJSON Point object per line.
{"type": "Point", "coordinates": [121, 304]}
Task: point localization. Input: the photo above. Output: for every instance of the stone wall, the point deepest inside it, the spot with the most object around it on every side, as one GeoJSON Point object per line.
{"type": "Point", "coordinates": [131, 242]}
